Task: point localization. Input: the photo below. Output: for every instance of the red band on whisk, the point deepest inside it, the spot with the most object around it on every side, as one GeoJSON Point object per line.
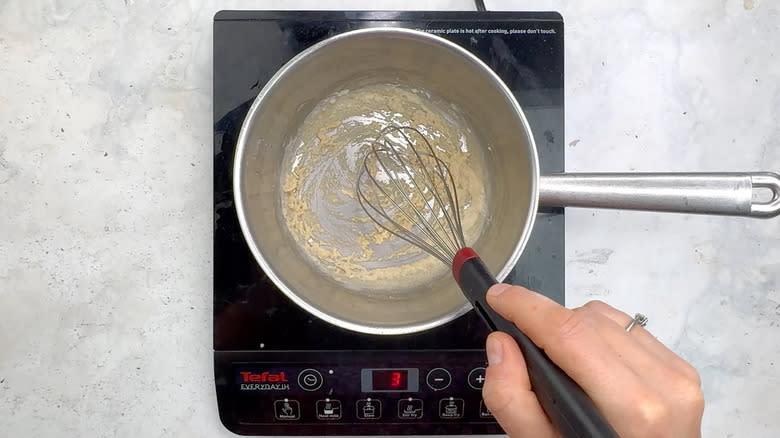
{"type": "Point", "coordinates": [462, 256]}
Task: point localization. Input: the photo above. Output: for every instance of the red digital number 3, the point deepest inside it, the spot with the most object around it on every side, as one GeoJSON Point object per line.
{"type": "Point", "coordinates": [395, 379]}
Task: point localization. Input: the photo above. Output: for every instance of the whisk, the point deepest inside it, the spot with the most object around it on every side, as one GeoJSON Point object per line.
{"type": "Point", "coordinates": [407, 190]}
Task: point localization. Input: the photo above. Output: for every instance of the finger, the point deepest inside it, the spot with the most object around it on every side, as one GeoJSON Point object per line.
{"type": "Point", "coordinates": [644, 338]}
{"type": "Point", "coordinates": [507, 391]}
{"type": "Point", "coordinates": [572, 343]}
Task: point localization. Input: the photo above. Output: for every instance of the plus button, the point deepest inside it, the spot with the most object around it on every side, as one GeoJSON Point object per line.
{"type": "Point", "coordinates": [476, 378]}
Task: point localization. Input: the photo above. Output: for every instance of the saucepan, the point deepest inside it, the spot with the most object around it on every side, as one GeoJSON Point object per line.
{"type": "Point", "coordinates": [428, 62]}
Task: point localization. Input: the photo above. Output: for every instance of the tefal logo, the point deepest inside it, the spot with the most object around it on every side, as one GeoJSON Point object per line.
{"type": "Point", "coordinates": [265, 376]}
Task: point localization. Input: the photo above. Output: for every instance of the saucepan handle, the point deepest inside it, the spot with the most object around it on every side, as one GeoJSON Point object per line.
{"type": "Point", "coordinates": [704, 193]}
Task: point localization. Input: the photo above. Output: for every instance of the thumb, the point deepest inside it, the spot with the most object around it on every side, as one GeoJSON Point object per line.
{"type": "Point", "coordinates": [507, 391]}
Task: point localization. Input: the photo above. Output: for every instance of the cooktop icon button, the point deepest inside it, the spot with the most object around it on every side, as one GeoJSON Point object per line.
{"type": "Point", "coordinates": [369, 409]}
{"type": "Point", "coordinates": [328, 409]}
{"type": "Point", "coordinates": [484, 412]}
{"type": "Point", "coordinates": [287, 409]}
{"type": "Point", "coordinates": [451, 408]}
{"type": "Point", "coordinates": [477, 378]}
{"type": "Point", "coordinates": [410, 408]}
{"type": "Point", "coordinates": [438, 379]}
{"type": "Point", "coordinates": [310, 379]}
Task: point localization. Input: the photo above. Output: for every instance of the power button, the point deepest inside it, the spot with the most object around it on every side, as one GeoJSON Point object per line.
{"type": "Point", "coordinates": [310, 379]}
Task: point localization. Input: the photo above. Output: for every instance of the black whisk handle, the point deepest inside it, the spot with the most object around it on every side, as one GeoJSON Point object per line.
{"type": "Point", "coordinates": [565, 402]}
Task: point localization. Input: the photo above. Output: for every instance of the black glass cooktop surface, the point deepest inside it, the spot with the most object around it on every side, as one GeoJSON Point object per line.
{"type": "Point", "coordinates": [524, 49]}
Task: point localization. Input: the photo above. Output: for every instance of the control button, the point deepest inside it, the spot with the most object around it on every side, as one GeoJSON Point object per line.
{"type": "Point", "coordinates": [477, 378]}
{"type": "Point", "coordinates": [287, 409]}
{"type": "Point", "coordinates": [438, 379]}
{"type": "Point", "coordinates": [484, 412]}
{"type": "Point", "coordinates": [410, 408]}
{"type": "Point", "coordinates": [310, 379]}
{"type": "Point", "coordinates": [369, 409]}
{"type": "Point", "coordinates": [451, 408]}
{"type": "Point", "coordinates": [328, 409]}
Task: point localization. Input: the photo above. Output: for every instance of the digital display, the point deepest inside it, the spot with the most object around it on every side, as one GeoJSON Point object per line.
{"type": "Point", "coordinates": [390, 380]}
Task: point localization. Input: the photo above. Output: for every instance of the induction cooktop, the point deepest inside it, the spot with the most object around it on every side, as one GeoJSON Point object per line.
{"type": "Point", "coordinates": [280, 370]}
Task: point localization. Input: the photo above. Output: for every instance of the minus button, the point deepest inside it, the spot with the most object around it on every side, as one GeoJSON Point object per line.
{"type": "Point", "coordinates": [438, 379]}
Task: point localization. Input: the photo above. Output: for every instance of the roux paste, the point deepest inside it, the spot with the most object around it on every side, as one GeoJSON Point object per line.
{"type": "Point", "coordinates": [320, 166]}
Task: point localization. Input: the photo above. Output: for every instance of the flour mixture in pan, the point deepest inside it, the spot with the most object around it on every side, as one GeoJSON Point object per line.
{"type": "Point", "coordinates": [320, 206]}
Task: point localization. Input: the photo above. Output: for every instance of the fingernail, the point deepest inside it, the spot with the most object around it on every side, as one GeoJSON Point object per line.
{"type": "Point", "coordinates": [497, 289]}
{"type": "Point", "coordinates": [495, 353]}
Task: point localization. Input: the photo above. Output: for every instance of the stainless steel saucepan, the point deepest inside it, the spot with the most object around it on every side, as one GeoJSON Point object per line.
{"type": "Point", "coordinates": [428, 62]}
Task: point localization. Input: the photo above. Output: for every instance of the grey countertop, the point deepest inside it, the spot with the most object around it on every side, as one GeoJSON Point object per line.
{"type": "Point", "coordinates": [105, 201]}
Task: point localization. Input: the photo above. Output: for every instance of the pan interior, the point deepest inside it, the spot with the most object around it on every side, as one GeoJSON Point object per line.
{"type": "Point", "coordinates": [381, 58]}
{"type": "Point", "coordinates": [319, 173]}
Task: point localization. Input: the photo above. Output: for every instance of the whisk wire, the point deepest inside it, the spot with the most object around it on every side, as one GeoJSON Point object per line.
{"type": "Point", "coordinates": [390, 225]}
{"type": "Point", "coordinates": [436, 225]}
{"type": "Point", "coordinates": [393, 177]}
{"type": "Point", "coordinates": [455, 231]}
{"type": "Point", "coordinates": [428, 226]}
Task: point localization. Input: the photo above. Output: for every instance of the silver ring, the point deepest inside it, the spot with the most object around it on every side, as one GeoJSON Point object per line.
{"type": "Point", "coordinates": [638, 319]}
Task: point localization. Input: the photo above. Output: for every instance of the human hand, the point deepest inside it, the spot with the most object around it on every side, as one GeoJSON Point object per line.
{"type": "Point", "coordinates": [642, 388]}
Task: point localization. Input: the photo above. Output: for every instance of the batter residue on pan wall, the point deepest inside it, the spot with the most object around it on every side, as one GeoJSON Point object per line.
{"type": "Point", "coordinates": [318, 184]}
